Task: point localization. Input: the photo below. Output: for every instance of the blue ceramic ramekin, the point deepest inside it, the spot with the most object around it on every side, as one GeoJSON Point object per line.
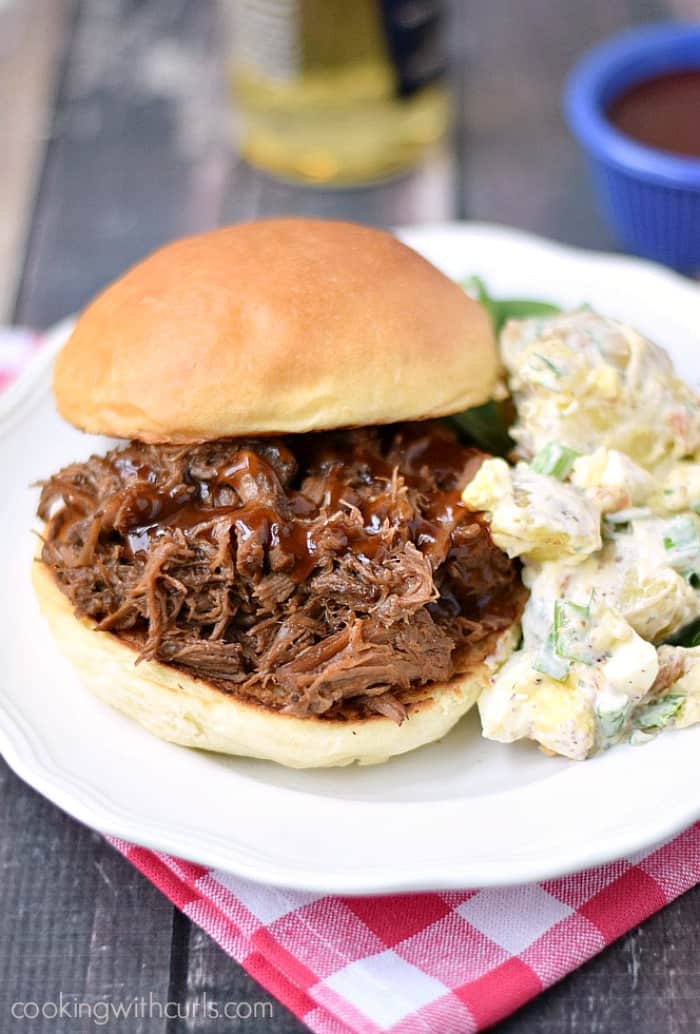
{"type": "Point", "coordinates": [651, 198]}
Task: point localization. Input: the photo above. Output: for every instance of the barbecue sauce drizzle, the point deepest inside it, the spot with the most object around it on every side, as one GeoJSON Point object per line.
{"type": "Point", "coordinates": [450, 463]}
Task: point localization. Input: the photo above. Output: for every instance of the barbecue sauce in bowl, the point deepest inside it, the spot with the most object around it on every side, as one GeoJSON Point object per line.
{"type": "Point", "coordinates": [662, 112]}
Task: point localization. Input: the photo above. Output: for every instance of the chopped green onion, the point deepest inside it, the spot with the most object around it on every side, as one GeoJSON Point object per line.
{"type": "Point", "coordinates": [567, 640]}
{"type": "Point", "coordinates": [680, 531]}
{"type": "Point", "coordinates": [549, 364]}
{"type": "Point", "coordinates": [632, 513]}
{"type": "Point", "coordinates": [682, 544]}
{"type": "Point", "coordinates": [659, 713]}
{"type": "Point", "coordinates": [555, 460]}
{"type": "Point", "coordinates": [611, 722]}
{"type": "Point", "coordinates": [571, 631]}
{"type": "Point", "coordinates": [550, 663]}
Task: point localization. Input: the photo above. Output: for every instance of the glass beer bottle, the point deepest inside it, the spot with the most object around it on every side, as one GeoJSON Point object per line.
{"type": "Point", "coordinates": [337, 92]}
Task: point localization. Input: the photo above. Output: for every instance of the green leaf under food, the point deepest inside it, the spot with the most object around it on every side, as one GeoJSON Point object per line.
{"type": "Point", "coordinates": [476, 287]}
{"type": "Point", "coordinates": [485, 426]}
{"type": "Point", "coordinates": [522, 309]}
{"type": "Point", "coordinates": [504, 309]}
{"type": "Point", "coordinates": [688, 636]}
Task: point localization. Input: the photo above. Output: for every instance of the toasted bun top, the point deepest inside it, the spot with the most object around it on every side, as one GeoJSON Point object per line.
{"type": "Point", "coordinates": [285, 325]}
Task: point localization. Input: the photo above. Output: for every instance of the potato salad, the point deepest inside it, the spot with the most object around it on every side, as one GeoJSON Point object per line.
{"type": "Point", "coordinates": [602, 507]}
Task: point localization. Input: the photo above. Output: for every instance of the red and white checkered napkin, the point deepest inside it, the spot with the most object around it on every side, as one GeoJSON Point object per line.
{"type": "Point", "coordinates": [441, 963]}
{"type": "Point", "coordinates": [446, 963]}
{"type": "Point", "coordinates": [17, 346]}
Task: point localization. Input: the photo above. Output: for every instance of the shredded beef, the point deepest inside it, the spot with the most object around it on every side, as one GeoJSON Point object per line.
{"type": "Point", "coordinates": [307, 573]}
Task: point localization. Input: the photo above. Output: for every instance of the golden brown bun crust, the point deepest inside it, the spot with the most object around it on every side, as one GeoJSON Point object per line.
{"type": "Point", "coordinates": [175, 706]}
{"type": "Point", "coordinates": [284, 325]}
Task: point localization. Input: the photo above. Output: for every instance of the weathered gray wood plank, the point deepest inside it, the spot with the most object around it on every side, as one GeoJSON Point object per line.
{"type": "Point", "coordinates": [31, 38]}
{"type": "Point", "coordinates": [212, 977]}
{"type": "Point", "coordinates": [138, 152]}
{"type": "Point", "coordinates": [521, 166]}
{"type": "Point", "coordinates": [75, 918]}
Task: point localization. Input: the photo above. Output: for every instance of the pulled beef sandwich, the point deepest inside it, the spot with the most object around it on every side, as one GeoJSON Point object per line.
{"type": "Point", "coordinates": [278, 563]}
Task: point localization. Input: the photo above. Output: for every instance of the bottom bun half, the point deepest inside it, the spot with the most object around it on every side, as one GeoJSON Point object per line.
{"type": "Point", "coordinates": [192, 712]}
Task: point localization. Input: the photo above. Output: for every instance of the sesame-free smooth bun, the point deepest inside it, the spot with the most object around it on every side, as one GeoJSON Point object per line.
{"type": "Point", "coordinates": [176, 706]}
{"type": "Point", "coordinates": [279, 326]}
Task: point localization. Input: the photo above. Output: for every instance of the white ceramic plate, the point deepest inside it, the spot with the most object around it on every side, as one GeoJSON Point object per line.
{"type": "Point", "coordinates": [463, 812]}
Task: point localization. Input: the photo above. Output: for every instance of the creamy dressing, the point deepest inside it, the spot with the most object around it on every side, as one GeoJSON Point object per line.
{"type": "Point", "coordinates": [687, 686]}
{"type": "Point", "coordinates": [631, 573]}
{"type": "Point", "coordinates": [587, 381]}
{"type": "Point", "coordinates": [534, 516]}
{"type": "Point", "coordinates": [612, 480]}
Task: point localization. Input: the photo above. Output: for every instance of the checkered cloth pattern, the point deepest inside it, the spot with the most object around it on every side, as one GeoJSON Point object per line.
{"type": "Point", "coordinates": [17, 346]}
{"type": "Point", "coordinates": [439, 963]}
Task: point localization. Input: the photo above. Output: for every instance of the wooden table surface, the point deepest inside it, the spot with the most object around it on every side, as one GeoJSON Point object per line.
{"type": "Point", "coordinates": [119, 140]}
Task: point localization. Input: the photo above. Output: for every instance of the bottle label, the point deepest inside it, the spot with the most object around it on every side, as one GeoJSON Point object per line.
{"type": "Point", "coordinates": [414, 36]}
{"type": "Point", "coordinates": [266, 37]}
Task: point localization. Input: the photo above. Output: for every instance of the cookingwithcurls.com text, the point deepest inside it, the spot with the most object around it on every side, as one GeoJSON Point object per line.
{"type": "Point", "coordinates": [106, 1010]}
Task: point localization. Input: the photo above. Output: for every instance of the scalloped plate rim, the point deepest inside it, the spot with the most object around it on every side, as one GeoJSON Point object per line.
{"type": "Point", "coordinates": [28, 754]}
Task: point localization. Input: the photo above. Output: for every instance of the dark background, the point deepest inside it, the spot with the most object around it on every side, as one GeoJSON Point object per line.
{"type": "Point", "coordinates": [138, 151]}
